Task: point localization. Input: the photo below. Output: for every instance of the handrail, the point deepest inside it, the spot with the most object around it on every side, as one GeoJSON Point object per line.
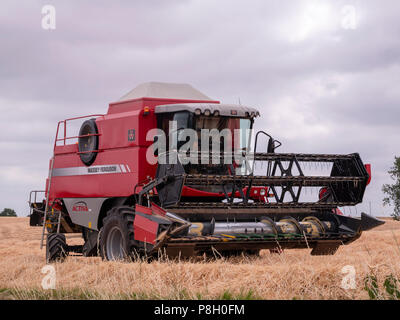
{"type": "Point", "coordinates": [35, 197]}
{"type": "Point", "coordinates": [64, 122]}
{"type": "Point", "coordinates": [263, 132]}
{"type": "Point", "coordinates": [271, 139]}
{"type": "Point", "coordinates": [82, 136]}
{"type": "Point", "coordinates": [35, 192]}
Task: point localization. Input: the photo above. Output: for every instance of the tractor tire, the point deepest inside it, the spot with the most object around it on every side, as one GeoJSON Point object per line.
{"type": "Point", "coordinates": [35, 219]}
{"type": "Point", "coordinates": [56, 248]}
{"type": "Point", "coordinates": [116, 240]}
{"type": "Point", "coordinates": [90, 246]}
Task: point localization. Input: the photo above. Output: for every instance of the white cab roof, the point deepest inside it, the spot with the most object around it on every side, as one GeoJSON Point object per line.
{"type": "Point", "coordinates": [164, 90]}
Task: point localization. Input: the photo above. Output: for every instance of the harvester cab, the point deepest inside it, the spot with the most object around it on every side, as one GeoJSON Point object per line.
{"type": "Point", "coordinates": [195, 131]}
{"type": "Point", "coordinates": [170, 170]}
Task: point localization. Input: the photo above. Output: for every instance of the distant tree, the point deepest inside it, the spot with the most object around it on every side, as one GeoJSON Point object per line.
{"type": "Point", "coordinates": [393, 190]}
{"type": "Point", "coordinates": [7, 212]}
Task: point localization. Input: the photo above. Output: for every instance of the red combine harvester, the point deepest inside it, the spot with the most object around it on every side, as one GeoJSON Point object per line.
{"type": "Point", "coordinates": [108, 184]}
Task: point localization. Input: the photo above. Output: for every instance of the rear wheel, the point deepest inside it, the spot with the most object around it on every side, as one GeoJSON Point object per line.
{"type": "Point", "coordinates": [56, 247]}
{"type": "Point", "coordinates": [116, 239]}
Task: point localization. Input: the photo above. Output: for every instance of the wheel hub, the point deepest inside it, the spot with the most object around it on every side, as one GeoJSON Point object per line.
{"type": "Point", "coordinates": [114, 245]}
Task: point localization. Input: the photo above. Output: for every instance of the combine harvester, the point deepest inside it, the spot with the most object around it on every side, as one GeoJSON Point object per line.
{"type": "Point", "coordinates": [103, 186]}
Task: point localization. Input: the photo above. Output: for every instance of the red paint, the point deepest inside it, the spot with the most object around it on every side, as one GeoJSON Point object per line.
{"type": "Point", "coordinates": [80, 208]}
{"type": "Point", "coordinates": [338, 211]}
{"type": "Point", "coordinates": [190, 192]}
{"type": "Point", "coordinates": [322, 192]}
{"type": "Point", "coordinates": [368, 168]}
{"type": "Point", "coordinates": [142, 209]}
{"type": "Point", "coordinates": [144, 229]}
{"type": "Point", "coordinates": [70, 148]}
{"type": "Point", "coordinates": [254, 193]}
{"type": "Point", "coordinates": [157, 210]}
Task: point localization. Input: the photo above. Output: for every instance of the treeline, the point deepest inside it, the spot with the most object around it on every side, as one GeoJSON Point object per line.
{"type": "Point", "coordinates": [7, 212]}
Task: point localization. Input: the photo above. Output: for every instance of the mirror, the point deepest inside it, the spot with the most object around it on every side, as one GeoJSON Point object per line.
{"type": "Point", "coordinates": [271, 145]}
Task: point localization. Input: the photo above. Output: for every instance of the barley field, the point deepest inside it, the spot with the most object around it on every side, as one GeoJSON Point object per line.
{"type": "Point", "coordinates": [295, 274]}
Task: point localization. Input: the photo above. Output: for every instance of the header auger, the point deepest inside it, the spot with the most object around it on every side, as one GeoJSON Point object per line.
{"type": "Point", "coordinates": [141, 179]}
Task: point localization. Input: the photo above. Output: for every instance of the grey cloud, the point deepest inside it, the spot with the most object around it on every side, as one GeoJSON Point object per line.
{"type": "Point", "coordinates": [333, 91]}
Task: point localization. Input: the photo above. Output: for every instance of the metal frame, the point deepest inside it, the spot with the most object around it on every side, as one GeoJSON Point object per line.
{"type": "Point", "coordinates": [64, 122]}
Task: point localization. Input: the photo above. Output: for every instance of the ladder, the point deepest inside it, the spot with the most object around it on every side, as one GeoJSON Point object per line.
{"type": "Point", "coordinates": [44, 233]}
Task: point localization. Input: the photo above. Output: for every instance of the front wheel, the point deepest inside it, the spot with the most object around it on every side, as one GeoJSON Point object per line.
{"type": "Point", "coordinates": [56, 247]}
{"type": "Point", "coordinates": [116, 239]}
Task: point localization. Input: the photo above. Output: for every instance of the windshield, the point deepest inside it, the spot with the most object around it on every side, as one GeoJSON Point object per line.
{"type": "Point", "coordinates": [245, 126]}
{"type": "Point", "coordinates": [210, 135]}
{"type": "Point", "coordinates": [183, 120]}
{"type": "Point", "coordinates": [237, 128]}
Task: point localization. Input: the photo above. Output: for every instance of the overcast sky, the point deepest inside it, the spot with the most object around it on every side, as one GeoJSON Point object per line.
{"type": "Point", "coordinates": [325, 75]}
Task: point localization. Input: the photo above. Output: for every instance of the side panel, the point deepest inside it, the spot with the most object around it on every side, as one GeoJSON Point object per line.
{"type": "Point", "coordinates": [84, 211]}
{"type": "Point", "coordinates": [114, 175]}
{"type": "Point", "coordinates": [120, 164]}
{"type": "Point", "coordinates": [145, 230]}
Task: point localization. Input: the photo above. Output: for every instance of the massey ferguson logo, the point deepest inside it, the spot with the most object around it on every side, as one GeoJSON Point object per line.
{"type": "Point", "coordinates": [80, 207]}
